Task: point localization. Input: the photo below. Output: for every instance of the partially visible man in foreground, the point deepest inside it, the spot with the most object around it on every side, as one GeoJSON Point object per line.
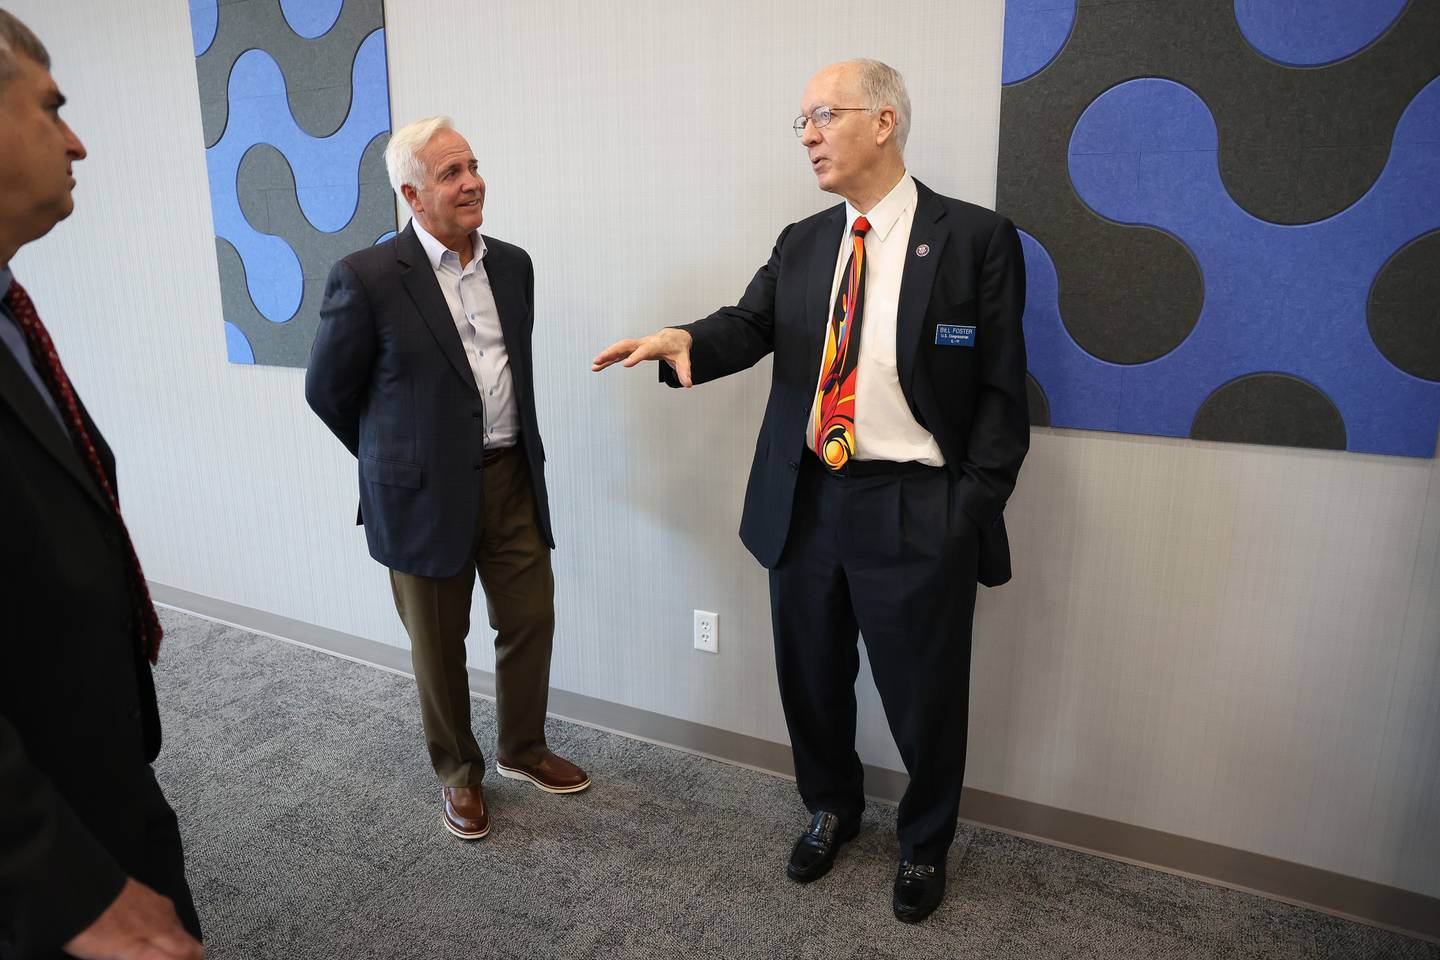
{"type": "Point", "coordinates": [90, 854]}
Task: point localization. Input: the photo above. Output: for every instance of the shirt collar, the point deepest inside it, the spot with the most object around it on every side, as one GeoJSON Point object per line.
{"type": "Point", "coordinates": [436, 250]}
{"type": "Point", "coordinates": [885, 214]}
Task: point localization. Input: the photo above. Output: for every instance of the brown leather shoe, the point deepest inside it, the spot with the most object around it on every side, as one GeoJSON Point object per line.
{"type": "Point", "coordinates": [465, 813]}
{"type": "Point", "coordinates": [552, 774]}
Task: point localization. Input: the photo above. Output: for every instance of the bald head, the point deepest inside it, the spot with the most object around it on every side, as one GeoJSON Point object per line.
{"type": "Point", "coordinates": [876, 85]}
{"type": "Point", "coordinates": [859, 152]}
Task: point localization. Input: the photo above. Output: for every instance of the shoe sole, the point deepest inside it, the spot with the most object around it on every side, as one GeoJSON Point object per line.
{"type": "Point", "coordinates": [798, 878]}
{"type": "Point", "coordinates": [913, 918]}
{"type": "Point", "coordinates": [461, 833]}
{"type": "Point", "coordinates": [513, 774]}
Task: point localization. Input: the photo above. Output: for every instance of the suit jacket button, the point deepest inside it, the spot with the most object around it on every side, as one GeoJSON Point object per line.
{"type": "Point", "coordinates": [794, 465]}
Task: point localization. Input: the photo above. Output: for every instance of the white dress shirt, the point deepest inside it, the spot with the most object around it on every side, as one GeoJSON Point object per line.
{"type": "Point", "coordinates": [884, 427]}
{"type": "Point", "coordinates": [472, 307]}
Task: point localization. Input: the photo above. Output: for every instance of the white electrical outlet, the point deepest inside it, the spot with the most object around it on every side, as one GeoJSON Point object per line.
{"type": "Point", "coordinates": [707, 631]}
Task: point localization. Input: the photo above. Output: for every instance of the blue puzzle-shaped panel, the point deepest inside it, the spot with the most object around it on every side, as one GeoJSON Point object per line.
{"type": "Point", "coordinates": [1280, 301]}
{"type": "Point", "coordinates": [1035, 30]}
{"type": "Point", "coordinates": [326, 183]}
{"type": "Point", "coordinates": [295, 98]}
{"type": "Point", "coordinates": [1326, 31]}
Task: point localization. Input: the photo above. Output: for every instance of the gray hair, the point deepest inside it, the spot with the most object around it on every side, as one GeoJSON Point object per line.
{"type": "Point", "coordinates": [402, 153]}
{"type": "Point", "coordinates": [16, 39]}
{"type": "Point", "coordinates": [882, 86]}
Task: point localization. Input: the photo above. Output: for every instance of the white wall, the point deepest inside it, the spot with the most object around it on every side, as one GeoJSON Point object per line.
{"type": "Point", "coordinates": [1237, 644]}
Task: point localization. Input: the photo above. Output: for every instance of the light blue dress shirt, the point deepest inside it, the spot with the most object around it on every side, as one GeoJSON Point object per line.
{"type": "Point", "coordinates": [477, 320]}
{"type": "Point", "coordinates": [14, 340]}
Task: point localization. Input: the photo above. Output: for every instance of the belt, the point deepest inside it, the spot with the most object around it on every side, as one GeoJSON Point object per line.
{"type": "Point", "coordinates": [859, 469]}
{"type": "Point", "coordinates": [495, 454]}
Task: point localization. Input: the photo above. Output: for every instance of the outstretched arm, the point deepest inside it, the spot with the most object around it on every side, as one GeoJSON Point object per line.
{"type": "Point", "coordinates": [670, 344]}
{"type": "Point", "coordinates": [729, 340]}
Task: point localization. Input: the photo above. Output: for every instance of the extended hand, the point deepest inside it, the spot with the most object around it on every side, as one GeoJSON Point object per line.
{"type": "Point", "coordinates": [139, 925]}
{"type": "Point", "coordinates": [669, 344]}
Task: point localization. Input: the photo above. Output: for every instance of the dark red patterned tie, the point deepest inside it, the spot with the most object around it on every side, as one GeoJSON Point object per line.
{"type": "Point", "coordinates": [47, 364]}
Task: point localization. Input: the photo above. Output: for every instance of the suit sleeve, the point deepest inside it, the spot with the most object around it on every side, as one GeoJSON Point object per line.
{"type": "Point", "coordinates": [530, 287]}
{"type": "Point", "coordinates": [55, 877]}
{"type": "Point", "coordinates": [1000, 431]}
{"type": "Point", "coordinates": [339, 373]}
{"type": "Point", "coordinates": [735, 338]}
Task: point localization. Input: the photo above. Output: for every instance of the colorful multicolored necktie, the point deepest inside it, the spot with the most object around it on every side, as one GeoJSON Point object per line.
{"type": "Point", "coordinates": [835, 429]}
{"type": "Point", "coordinates": [47, 364]}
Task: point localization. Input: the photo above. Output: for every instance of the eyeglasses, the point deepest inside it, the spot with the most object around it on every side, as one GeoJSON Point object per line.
{"type": "Point", "coordinates": [820, 116]}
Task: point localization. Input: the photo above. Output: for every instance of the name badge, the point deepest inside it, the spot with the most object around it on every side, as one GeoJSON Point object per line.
{"type": "Point", "coordinates": [954, 335]}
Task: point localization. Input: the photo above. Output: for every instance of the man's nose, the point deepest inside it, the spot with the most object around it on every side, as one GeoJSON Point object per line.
{"type": "Point", "coordinates": [73, 147]}
{"type": "Point", "coordinates": [811, 136]}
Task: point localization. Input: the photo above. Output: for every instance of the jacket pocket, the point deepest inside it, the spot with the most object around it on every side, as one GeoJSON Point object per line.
{"type": "Point", "coordinates": [394, 473]}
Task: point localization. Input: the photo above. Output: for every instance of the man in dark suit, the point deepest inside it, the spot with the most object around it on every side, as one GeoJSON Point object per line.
{"type": "Point", "coordinates": [422, 368]}
{"type": "Point", "coordinates": [90, 854]}
{"type": "Point", "coordinates": [893, 435]}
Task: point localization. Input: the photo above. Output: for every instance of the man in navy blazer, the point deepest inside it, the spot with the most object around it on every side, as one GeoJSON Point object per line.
{"type": "Point", "coordinates": [91, 860]}
{"type": "Point", "coordinates": [894, 432]}
{"type": "Point", "coordinates": [422, 368]}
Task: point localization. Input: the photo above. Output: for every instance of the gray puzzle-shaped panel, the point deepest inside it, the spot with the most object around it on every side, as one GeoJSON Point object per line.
{"type": "Point", "coordinates": [1270, 408]}
{"type": "Point", "coordinates": [1403, 312]}
{"type": "Point", "coordinates": [1039, 404]}
{"type": "Point", "coordinates": [266, 189]}
{"type": "Point", "coordinates": [317, 72]}
{"type": "Point", "coordinates": [1296, 145]}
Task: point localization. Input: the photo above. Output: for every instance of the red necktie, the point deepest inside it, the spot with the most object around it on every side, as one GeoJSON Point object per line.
{"type": "Point", "coordinates": [47, 364]}
{"type": "Point", "coordinates": [835, 431]}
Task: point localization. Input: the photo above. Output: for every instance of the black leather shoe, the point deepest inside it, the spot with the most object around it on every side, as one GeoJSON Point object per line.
{"type": "Point", "coordinates": [918, 891]}
{"type": "Point", "coordinates": [814, 853]}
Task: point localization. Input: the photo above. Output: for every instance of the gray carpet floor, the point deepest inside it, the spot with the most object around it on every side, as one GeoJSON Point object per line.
{"type": "Point", "coordinates": [312, 829]}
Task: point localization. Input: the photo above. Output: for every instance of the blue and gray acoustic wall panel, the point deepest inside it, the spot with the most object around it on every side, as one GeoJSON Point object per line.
{"type": "Point", "coordinates": [1230, 211]}
{"type": "Point", "coordinates": [295, 100]}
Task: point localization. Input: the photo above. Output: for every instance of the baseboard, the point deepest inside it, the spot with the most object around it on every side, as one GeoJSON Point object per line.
{"type": "Point", "coordinates": [1392, 908]}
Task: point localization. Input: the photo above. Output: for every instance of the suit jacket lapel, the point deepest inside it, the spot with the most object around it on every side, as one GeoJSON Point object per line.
{"type": "Point", "coordinates": [818, 283]}
{"type": "Point", "coordinates": [19, 393]}
{"type": "Point", "coordinates": [418, 278]}
{"type": "Point", "coordinates": [510, 303]}
{"type": "Point", "coordinates": [917, 280]}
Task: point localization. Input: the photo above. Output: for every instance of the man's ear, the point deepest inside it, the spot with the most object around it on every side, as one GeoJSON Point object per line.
{"type": "Point", "coordinates": [885, 128]}
{"type": "Point", "coordinates": [412, 197]}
